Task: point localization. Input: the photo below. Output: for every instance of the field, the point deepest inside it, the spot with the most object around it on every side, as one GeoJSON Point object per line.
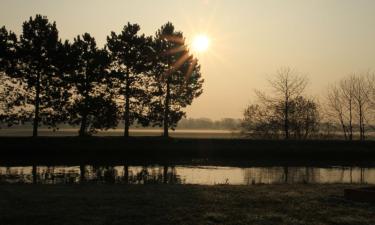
{"type": "Point", "coordinates": [293, 204]}
{"type": "Point", "coordinates": [181, 204]}
{"type": "Point", "coordinates": [69, 132]}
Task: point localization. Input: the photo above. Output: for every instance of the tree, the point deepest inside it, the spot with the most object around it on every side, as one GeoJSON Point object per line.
{"type": "Point", "coordinates": [336, 110]}
{"type": "Point", "coordinates": [361, 95]}
{"type": "Point", "coordinates": [177, 78]}
{"type": "Point", "coordinates": [13, 94]}
{"type": "Point", "coordinates": [261, 121]}
{"type": "Point", "coordinates": [348, 100]}
{"type": "Point", "coordinates": [286, 87]}
{"type": "Point", "coordinates": [10, 93]}
{"type": "Point", "coordinates": [129, 54]}
{"type": "Point", "coordinates": [304, 117]}
{"type": "Point", "coordinates": [36, 65]}
{"type": "Point", "coordinates": [265, 120]}
{"type": "Point", "coordinates": [91, 105]}
{"type": "Point", "coordinates": [8, 47]}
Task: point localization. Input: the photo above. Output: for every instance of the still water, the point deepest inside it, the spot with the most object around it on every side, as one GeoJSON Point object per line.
{"type": "Point", "coordinates": [204, 175]}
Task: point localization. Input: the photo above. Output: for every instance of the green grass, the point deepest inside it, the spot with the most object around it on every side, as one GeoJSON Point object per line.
{"type": "Point", "coordinates": [178, 204]}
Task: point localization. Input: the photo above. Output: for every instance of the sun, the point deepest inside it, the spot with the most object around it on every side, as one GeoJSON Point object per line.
{"type": "Point", "coordinates": [200, 43]}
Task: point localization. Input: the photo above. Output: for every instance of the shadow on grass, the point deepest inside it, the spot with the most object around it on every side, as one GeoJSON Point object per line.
{"type": "Point", "coordinates": [180, 204]}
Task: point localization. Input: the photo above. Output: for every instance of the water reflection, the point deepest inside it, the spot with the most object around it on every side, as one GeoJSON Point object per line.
{"type": "Point", "coordinates": [205, 175]}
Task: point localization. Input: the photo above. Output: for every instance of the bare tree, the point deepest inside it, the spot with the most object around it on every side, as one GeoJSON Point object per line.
{"type": "Point", "coordinates": [362, 91]}
{"type": "Point", "coordinates": [286, 87]}
{"type": "Point", "coordinates": [347, 89]}
{"type": "Point", "coordinates": [304, 117]}
{"type": "Point", "coordinates": [283, 113]}
{"type": "Point", "coordinates": [348, 100]}
{"type": "Point", "coordinates": [341, 105]}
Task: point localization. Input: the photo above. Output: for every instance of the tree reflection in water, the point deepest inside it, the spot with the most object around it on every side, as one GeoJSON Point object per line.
{"type": "Point", "coordinates": [167, 174]}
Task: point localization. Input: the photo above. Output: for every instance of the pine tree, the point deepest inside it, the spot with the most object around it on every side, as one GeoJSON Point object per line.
{"type": "Point", "coordinates": [36, 66]}
{"type": "Point", "coordinates": [129, 53]}
{"type": "Point", "coordinates": [177, 78]}
{"type": "Point", "coordinates": [91, 105]}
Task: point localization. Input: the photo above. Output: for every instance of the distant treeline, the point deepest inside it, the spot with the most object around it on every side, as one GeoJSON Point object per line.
{"type": "Point", "coordinates": [133, 79]}
{"type": "Point", "coordinates": [206, 123]}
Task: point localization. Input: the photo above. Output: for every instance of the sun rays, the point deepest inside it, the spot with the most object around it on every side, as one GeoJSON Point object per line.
{"type": "Point", "coordinates": [200, 44]}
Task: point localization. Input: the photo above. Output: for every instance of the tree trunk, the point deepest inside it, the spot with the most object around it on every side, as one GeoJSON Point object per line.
{"type": "Point", "coordinates": [361, 125]}
{"type": "Point", "coordinates": [126, 174]}
{"type": "Point", "coordinates": [34, 174]}
{"type": "Point", "coordinates": [286, 119]}
{"type": "Point", "coordinates": [350, 121]}
{"type": "Point", "coordinates": [343, 126]}
{"type": "Point", "coordinates": [82, 176]}
{"type": "Point", "coordinates": [37, 102]}
{"type": "Point", "coordinates": [127, 107]}
{"type": "Point", "coordinates": [82, 129]}
{"type": "Point", "coordinates": [165, 174]}
{"type": "Point", "coordinates": [286, 174]}
{"type": "Point", "coordinates": [166, 111]}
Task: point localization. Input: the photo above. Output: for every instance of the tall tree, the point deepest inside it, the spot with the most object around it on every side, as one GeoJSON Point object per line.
{"type": "Point", "coordinates": [340, 108]}
{"type": "Point", "coordinates": [91, 105]}
{"type": "Point", "coordinates": [129, 52]}
{"type": "Point", "coordinates": [286, 87]}
{"type": "Point", "coordinates": [38, 48]}
{"type": "Point", "coordinates": [348, 100]}
{"type": "Point", "coordinates": [177, 78]}
{"type": "Point", "coordinates": [362, 92]}
{"type": "Point", "coordinates": [348, 88]}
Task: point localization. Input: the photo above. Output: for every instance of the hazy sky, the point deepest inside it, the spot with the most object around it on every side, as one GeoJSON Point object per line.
{"type": "Point", "coordinates": [251, 39]}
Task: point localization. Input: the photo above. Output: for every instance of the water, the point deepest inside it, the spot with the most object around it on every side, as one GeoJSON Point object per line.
{"type": "Point", "coordinates": [203, 175]}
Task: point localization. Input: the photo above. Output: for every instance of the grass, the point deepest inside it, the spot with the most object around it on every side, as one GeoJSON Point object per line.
{"type": "Point", "coordinates": [180, 204]}
{"type": "Point", "coordinates": [181, 133]}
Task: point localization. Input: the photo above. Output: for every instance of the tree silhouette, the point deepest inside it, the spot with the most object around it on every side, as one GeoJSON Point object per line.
{"type": "Point", "coordinates": [304, 117]}
{"type": "Point", "coordinates": [286, 112]}
{"type": "Point", "coordinates": [129, 53]}
{"type": "Point", "coordinates": [8, 46]}
{"type": "Point", "coordinates": [36, 65]}
{"type": "Point", "coordinates": [286, 87]}
{"type": "Point", "coordinates": [348, 100]}
{"type": "Point", "coordinates": [91, 104]}
{"type": "Point", "coordinates": [10, 94]}
{"type": "Point", "coordinates": [341, 105]}
{"type": "Point", "coordinates": [177, 78]}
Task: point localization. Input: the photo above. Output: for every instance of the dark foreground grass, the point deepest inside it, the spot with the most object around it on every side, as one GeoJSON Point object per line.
{"type": "Point", "coordinates": [195, 205]}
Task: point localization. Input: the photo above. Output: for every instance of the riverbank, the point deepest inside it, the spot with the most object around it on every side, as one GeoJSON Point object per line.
{"type": "Point", "coordinates": [154, 149]}
{"type": "Point", "coordinates": [180, 204]}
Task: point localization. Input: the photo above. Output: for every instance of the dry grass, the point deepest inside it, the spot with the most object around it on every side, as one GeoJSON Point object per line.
{"type": "Point", "coordinates": [180, 204]}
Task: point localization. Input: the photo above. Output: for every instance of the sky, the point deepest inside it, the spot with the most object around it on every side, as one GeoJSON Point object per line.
{"type": "Point", "coordinates": [249, 39]}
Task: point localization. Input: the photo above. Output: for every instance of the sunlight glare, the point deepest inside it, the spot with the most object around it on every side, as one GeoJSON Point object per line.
{"type": "Point", "coordinates": [200, 43]}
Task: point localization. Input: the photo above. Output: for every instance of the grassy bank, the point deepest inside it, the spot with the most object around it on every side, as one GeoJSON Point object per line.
{"type": "Point", "coordinates": [152, 148]}
{"type": "Point", "coordinates": [176, 204]}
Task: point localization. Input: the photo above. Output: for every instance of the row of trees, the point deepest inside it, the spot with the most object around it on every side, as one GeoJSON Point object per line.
{"type": "Point", "coordinates": [288, 113]}
{"type": "Point", "coordinates": [351, 102]}
{"type": "Point", "coordinates": [134, 78]}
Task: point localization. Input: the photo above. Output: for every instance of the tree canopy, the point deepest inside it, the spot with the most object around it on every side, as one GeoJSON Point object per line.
{"type": "Point", "coordinates": [134, 78]}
